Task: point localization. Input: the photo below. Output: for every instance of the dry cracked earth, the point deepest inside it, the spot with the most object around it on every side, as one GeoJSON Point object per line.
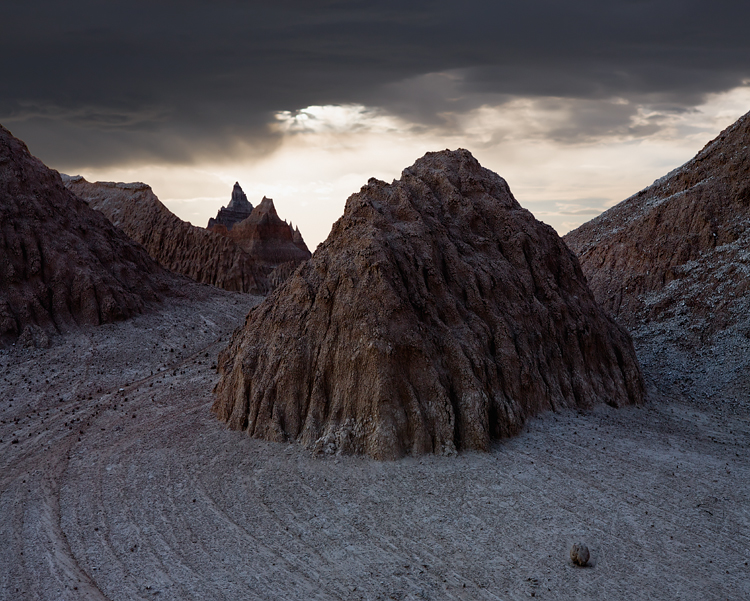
{"type": "Point", "coordinates": [117, 482]}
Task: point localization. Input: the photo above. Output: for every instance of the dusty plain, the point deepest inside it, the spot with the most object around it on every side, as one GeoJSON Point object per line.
{"type": "Point", "coordinates": [117, 482]}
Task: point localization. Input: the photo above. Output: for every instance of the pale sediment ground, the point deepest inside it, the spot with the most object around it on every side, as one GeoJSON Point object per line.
{"type": "Point", "coordinates": [141, 493]}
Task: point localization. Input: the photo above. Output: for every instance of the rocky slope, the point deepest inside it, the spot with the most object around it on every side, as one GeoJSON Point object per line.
{"type": "Point", "coordinates": [179, 246]}
{"type": "Point", "coordinates": [670, 242]}
{"type": "Point", "coordinates": [238, 209]}
{"type": "Point", "coordinates": [672, 263]}
{"type": "Point", "coordinates": [437, 316]}
{"type": "Point", "coordinates": [62, 263]}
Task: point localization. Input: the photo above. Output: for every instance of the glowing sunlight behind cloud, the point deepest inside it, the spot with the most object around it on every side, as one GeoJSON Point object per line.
{"type": "Point", "coordinates": [344, 119]}
{"type": "Point", "coordinates": [565, 160]}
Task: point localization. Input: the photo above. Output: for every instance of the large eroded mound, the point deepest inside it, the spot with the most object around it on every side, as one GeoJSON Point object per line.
{"type": "Point", "coordinates": [204, 256]}
{"type": "Point", "coordinates": [61, 263]}
{"type": "Point", "coordinates": [437, 316]}
{"type": "Point", "coordinates": [679, 248]}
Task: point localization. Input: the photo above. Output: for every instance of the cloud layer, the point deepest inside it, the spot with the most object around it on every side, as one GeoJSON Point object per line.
{"type": "Point", "coordinates": [94, 84]}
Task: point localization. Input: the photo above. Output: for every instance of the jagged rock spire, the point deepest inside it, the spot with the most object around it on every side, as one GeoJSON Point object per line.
{"type": "Point", "coordinates": [239, 201]}
{"type": "Point", "coordinates": [238, 209]}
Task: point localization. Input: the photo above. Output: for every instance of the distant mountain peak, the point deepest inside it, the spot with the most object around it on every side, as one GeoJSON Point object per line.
{"type": "Point", "coordinates": [238, 209]}
{"type": "Point", "coordinates": [239, 201]}
{"type": "Point", "coordinates": [266, 207]}
{"type": "Point", "coordinates": [260, 232]}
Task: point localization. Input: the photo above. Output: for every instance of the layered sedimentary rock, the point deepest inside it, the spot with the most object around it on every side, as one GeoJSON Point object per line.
{"type": "Point", "coordinates": [272, 242]}
{"type": "Point", "coordinates": [437, 316]}
{"type": "Point", "coordinates": [62, 263]}
{"type": "Point", "coordinates": [268, 238]}
{"type": "Point", "coordinates": [204, 256]}
{"type": "Point", "coordinates": [679, 248]}
{"type": "Point", "coordinates": [238, 209]}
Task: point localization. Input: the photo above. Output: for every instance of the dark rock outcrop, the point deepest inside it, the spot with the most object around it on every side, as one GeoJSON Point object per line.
{"type": "Point", "coordinates": [238, 209]}
{"type": "Point", "coordinates": [297, 239]}
{"type": "Point", "coordinates": [204, 256]}
{"type": "Point", "coordinates": [437, 316]}
{"type": "Point", "coordinates": [63, 264]}
{"type": "Point", "coordinates": [272, 242]}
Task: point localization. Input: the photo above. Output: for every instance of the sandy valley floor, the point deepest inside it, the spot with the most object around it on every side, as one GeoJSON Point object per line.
{"type": "Point", "coordinates": [116, 482]}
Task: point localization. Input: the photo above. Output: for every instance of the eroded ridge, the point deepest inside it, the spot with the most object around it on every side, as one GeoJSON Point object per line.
{"type": "Point", "coordinates": [678, 247]}
{"type": "Point", "coordinates": [62, 264]}
{"type": "Point", "coordinates": [204, 256]}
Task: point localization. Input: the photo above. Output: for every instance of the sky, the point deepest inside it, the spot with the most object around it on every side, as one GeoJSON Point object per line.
{"type": "Point", "coordinates": [576, 104]}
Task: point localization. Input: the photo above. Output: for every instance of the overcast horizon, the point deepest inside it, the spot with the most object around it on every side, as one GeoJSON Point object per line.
{"type": "Point", "coordinates": [577, 106]}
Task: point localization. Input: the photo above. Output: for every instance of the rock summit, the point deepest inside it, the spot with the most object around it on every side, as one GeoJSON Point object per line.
{"type": "Point", "coordinates": [238, 209]}
{"type": "Point", "coordinates": [269, 238]}
{"type": "Point", "coordinates": [275, 244]}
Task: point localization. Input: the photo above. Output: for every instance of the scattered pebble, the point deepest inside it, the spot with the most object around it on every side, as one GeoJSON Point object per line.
{"type": "Point", "coordinates": [579, 554]}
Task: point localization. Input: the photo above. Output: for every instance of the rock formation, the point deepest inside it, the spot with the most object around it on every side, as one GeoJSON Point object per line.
{"type": "Point", "coordinates": [204, 256]}
{"type": "Point", "coordinates": [62, 263]}
{"type": "Point", "coordinates": [269, 239]}
{"type": "Point", "coordinates": [238, 209]}
{"type": "Point", "coordinates": [679, 248]}
{"type": "Point", "coordinates": [297, 239]}
{"type": "Point", "coordinates": [437, 316]}
{"type": "Point", "coordinates": [273, 243]}
{"type": "Point", "coordinates": [671, 262]}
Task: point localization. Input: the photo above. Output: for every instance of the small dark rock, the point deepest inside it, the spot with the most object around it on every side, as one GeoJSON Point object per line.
{"type": "Point", "coordinates": [579, 554]}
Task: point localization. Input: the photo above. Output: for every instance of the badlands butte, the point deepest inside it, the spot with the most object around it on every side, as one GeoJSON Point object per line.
{"type": "Point", "coordinates": [190, 413]}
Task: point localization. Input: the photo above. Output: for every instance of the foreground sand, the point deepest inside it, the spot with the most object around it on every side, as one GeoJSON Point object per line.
{"type": "Point", "coordinates": [122, 485]}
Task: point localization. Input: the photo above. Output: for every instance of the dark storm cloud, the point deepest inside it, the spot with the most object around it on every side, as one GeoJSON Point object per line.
{"type": "Point", "coordinates": [93, 82]}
